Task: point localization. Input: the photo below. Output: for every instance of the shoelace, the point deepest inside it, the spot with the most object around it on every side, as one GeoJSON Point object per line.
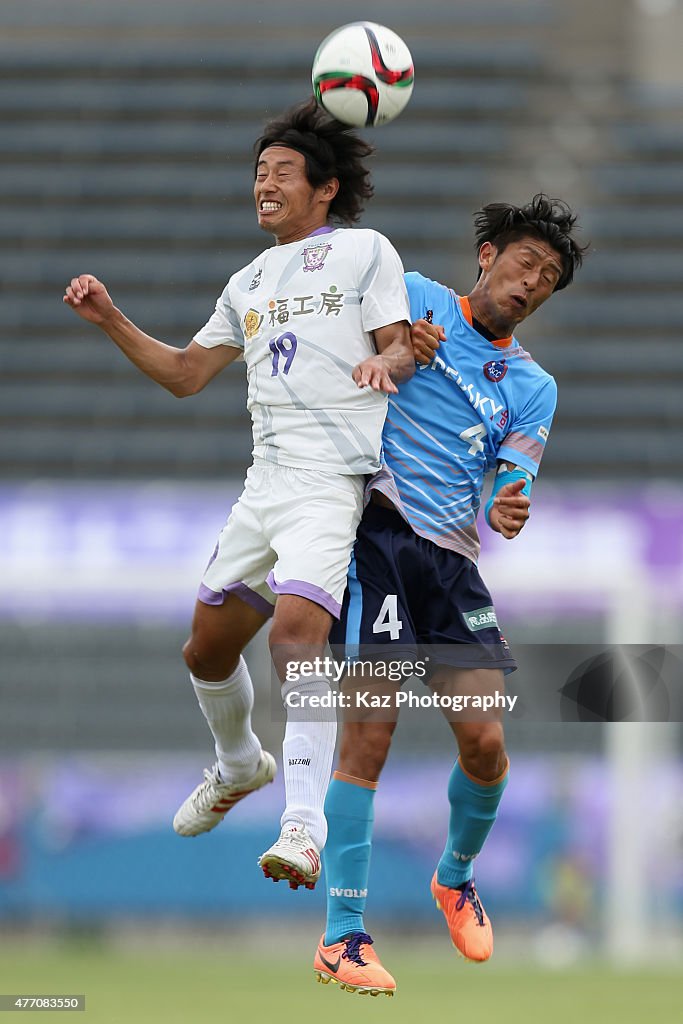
{"type": "Point", "coordinates": [296, 838]}
{"type": "Point", "coordinates": [353, 944]}
{"type": "Point", "coordinates": [204, 797]}
{"type": "Point", "coordinates": [469, 895]}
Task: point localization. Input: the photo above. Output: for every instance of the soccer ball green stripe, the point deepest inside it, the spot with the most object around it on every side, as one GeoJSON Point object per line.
{"type": "Point", "coordinates": [326, 75]}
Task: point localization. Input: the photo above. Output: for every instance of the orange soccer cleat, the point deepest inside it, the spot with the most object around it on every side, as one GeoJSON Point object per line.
{"type": "Point", "coordinates": [353, 965]}
{"type": "Point", "coordinates": [467, 921]}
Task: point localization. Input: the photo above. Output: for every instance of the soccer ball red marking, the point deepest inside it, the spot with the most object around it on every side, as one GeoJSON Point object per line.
{"type": "Point", "coordinates": [363, 74]}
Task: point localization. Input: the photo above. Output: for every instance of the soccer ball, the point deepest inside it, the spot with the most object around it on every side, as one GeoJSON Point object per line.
{"type": "Point", "coordinates": [363, 74]}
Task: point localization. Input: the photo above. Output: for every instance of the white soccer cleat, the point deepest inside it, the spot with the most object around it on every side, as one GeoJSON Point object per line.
{"type": "Point", "coordinates": [293, 857]}
{"type": "Point", "coordinates": [208, 804]}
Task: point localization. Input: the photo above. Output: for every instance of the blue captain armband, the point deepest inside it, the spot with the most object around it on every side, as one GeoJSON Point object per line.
{"type": "Point", "coordinates": [507, 476]}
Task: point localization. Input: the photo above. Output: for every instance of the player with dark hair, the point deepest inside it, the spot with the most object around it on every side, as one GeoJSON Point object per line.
{"type": "Point", "coordinates": [322, 321]}
{"type": "Point", "coordinates": [479, 402]}
{"type": "Point", "coordinates": [547, 220]}
{"type": "Point", "coordinates": [330, 150]}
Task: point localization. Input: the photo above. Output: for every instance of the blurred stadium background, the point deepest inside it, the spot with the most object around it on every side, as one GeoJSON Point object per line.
{"type": "Point", "coordinates": [126, 152]}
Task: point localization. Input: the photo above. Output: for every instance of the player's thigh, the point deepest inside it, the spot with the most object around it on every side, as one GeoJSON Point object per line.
{"type": "Point", "coordinates": [455, 621]}
{"type": "Point", "coordinates": [219, 635]}
{"type": "Point", "coordinates": [376, 618]}
{"type": "Point", "coordinates": [243, 556]}
{"type": "Point", "coordinates": [311, 522]}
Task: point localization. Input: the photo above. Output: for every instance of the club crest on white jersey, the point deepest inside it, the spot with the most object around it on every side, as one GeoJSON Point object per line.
{"type": "Point", "coordinates": [315, 256]}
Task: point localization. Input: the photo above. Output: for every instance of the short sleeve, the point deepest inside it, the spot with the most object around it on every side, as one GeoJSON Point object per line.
{"type": "Point", "coordinates": [415, 283]}
{"type": "Point", "coordinates": [525, 442]}
{"type": "Point", "coordinates": [382, 290]}
{"type": "Point", "coordinates": [223, 328]}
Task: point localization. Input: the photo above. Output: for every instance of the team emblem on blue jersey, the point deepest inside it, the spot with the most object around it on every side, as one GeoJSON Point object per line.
{"type": "Point", "coordinates": [315, 256]}
{"type": "Point", "coordinates": [495, 370]}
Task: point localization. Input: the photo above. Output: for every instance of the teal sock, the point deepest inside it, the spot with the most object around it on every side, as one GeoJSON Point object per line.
{"type": "Point", "coordinates": [474, 806]}
{"type": "Point", "coordinates": [346, 857]}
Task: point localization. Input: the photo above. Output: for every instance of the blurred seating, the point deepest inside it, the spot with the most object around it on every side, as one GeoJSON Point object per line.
{"type": "Point", "coordinates": [128, 152]}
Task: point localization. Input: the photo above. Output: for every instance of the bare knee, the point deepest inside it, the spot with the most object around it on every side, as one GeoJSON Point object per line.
{"type": "Point", "coordinates": [298, 632]}
{"type": "Point", "coordinates": [219, 635]}
{"type": "Point", "coordinates": [482, 750]}
{"type": "Point", "coordinates": [288, 634]}
{"type": "Point", "coordinates": [208, 661]}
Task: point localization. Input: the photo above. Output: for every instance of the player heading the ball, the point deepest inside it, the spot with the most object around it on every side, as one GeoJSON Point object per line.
{"type": "Point", "coordinates": [321, 320]}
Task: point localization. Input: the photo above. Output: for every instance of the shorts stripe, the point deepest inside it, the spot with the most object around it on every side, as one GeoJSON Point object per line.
{"type": "Point", "coordinates": [241, 590]}
{"type": "Point", "coordinates": [355, 612]}
{"type": "Point", "coordinates": [299, 588]}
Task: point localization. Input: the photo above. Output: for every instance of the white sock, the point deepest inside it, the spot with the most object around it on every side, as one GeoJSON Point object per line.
{"type": "Point", "coordinates": [227, 709]}
{"type": "Point", "coordinates": [307, 753]}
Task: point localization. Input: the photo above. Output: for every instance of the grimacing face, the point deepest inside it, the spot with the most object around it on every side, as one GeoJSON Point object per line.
{"type": "Point", "coordinates": [516, 280]}
{"type": "Point", "coordinates": [287, 205]}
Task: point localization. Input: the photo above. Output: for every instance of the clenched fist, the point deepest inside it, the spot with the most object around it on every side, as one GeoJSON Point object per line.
{"type": "Point", "coordinates": [426, 338]}
{"type": "Point", "coordinates": [89, 298]}
{"type": "Point", "coordinates": [510, 510]}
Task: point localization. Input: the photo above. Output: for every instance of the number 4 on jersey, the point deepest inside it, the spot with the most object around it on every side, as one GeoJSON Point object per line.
{"type": "Point", "coordinates": [388, 621]}
{"type": "Point", "coordinates": [473, 436]}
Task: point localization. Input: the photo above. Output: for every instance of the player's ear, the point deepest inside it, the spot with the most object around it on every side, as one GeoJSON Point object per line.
{"type": "Point", "coordinates": [487, 254]}
{"type": "Point", "coordinates": [329, 189]}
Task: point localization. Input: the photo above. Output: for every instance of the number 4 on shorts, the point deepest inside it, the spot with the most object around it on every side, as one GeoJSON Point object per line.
{"type": "Point", "coordinates": [388, 621]}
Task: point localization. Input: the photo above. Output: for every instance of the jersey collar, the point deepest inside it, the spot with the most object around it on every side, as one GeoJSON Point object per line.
{"type": "Point", "coordinates": [466, 310]}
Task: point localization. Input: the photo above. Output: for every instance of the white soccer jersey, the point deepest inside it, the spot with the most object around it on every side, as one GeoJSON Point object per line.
{"type": "Point", "coordinates": [303, 313]}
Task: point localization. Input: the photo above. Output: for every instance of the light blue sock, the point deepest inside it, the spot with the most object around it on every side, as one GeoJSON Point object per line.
{"type": "Point", "coordinates": [350, 814]}
{"type": "Point", "coordinates": [474, 806]}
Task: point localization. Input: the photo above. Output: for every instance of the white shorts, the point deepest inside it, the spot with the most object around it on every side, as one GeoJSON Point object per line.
{"type": "Point", "coordinates": [290, 532]}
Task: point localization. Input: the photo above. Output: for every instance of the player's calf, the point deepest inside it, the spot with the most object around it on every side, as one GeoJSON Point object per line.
{"type": "Point", "coordinates": [364, 748]}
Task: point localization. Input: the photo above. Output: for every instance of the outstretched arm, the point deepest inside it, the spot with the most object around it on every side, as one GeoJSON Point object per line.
{"type": "Point", "coordinates": [393, 363]}
{"type": "Point", "coordinates": [182, 371]}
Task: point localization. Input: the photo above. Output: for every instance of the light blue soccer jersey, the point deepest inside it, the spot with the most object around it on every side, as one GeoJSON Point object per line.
{"type": "Point", "coordinates": [475, 403]}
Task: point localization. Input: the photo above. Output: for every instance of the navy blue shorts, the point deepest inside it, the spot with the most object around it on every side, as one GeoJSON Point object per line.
{"type": "Point", "coordinates": [405, 593]}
